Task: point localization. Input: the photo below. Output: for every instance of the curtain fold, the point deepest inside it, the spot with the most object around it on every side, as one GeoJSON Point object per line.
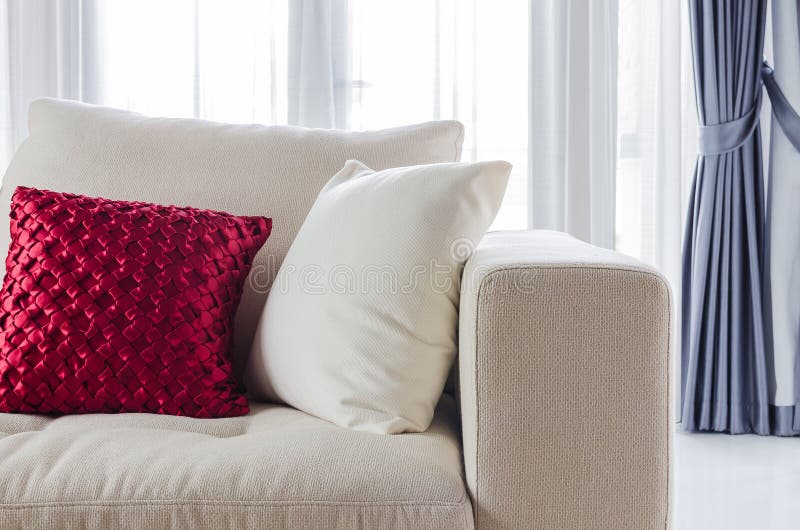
{"type": "Point", "coordinates": [318, 64]}
{"type": "Point", "coordinates": [7, 141]}
{"type": "Point", "coordinates": [48, 48]}
{"type": "Point", "coordinates": [573, 113]}
{"type": "Point", "coordinates": [657, 134]}
{"type": "Point", "coordinates": [726, 364]}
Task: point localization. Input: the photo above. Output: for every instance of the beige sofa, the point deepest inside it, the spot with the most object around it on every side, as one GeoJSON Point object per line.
{"type": "Point", "coordinates": [558, 417]}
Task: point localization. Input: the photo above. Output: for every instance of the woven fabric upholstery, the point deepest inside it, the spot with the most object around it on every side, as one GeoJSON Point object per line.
{"type": "Point", "coordinates": [564, 385]}
{"type": "Point", "coordinates": [112, 306]}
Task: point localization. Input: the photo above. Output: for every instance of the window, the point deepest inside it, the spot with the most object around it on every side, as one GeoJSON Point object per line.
{"type": "Point", "coordinates": [410, 61]}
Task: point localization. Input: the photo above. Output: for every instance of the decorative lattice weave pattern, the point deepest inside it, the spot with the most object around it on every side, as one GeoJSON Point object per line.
{"type": "Point", "coordinates": [113, 306]}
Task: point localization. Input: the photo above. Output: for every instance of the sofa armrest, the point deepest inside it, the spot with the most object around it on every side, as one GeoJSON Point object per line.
{"type": "Point", "coordinates": [564, 385]}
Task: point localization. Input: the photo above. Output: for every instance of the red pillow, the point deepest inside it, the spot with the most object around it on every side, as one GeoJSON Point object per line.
{"type": "Point", "coordinates": [114, 306]}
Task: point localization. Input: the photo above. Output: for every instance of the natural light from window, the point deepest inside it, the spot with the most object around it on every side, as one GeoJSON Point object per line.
{"type": "Point", "coordinates": [226, 61]}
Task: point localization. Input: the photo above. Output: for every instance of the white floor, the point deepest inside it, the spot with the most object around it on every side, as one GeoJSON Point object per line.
{"type": "Point", "coordinates": [743, 482]}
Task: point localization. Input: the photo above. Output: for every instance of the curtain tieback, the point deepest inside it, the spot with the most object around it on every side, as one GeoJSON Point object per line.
{"type": "Point", "coordinates": [783, 110]}
{"type": "Point", "coordinates": [730, 135]}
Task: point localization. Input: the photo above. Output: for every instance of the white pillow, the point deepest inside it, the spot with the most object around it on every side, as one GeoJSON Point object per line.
{"type": "Point", "coordinates": [360, 325]}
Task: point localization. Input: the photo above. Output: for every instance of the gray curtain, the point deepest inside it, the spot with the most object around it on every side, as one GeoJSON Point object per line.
{"type": "Point", "coordinates": [725, 346]}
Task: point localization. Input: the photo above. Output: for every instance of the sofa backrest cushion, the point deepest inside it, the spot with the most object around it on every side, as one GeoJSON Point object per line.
{"type": "Point", "coordinates": [274, 171]}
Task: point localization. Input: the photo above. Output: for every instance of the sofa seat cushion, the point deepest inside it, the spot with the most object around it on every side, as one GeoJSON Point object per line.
{"type": "Point", "coordinates": [274, 468]}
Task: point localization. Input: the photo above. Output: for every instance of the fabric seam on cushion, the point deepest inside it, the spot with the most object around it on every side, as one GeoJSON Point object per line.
{"type": "Point", "coordinates": [578, 265]}
{"type": "Point", "coordinates": [668, 405]}
{"type": "Point", "coordinates": [457, 509]}
{"type": "Point", "coordinates": [232, 504]}
{"type": "Point", "coordinates": [477, 396]}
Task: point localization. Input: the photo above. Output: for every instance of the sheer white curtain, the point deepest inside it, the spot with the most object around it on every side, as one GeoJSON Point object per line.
{"type": "Point", "coordinates": [657, 132]}
{"type": "Point", "coordinates": [612, 124]}
{"type": "Point", "coordinates": [47, 48]}
{"type": "Point", "coordinates": [420, 60]}
{"type": "Point", "coordinates": [225, 61]}
{"type": "Point", "coordinates": [589, 99]}
{"type": "Point", "coordinates": [783, 215]}
{"type": "Point", "coordinates": [319, 80]}
{"type": "Point", "coordinates": [573, 115]}
{"type": "Point", "coordinates": [344, 63]}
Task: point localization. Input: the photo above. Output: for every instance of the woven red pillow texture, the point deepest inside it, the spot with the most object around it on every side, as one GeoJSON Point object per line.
{"type": "Point", "coordinates": [113, 306]}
